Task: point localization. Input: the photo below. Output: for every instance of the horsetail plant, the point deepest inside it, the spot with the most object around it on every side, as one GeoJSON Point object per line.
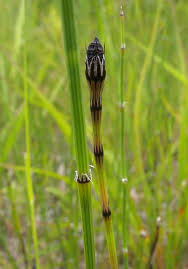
{"type": "Point", "coordinates": [122, 145]}
{"type": "Point", "coordinates": [95, 75]}
{"type": "Point", "coordinates": [154, 244]}
{"type": "Point", "coordinates": [83, 176]}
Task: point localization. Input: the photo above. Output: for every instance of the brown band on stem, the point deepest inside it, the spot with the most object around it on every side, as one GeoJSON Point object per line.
{"type": "Point", "coordinates": [83, 179]}
{"type": "Point", "coordinates": [96, 109]}
{"type": "Point", "coordinates": [98, 152]}
{"type": "Point", "coordinates": [106, 213]}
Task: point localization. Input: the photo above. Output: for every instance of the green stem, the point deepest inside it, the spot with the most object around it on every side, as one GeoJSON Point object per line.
{"type": "Point", "coordinates": [87, 222]}
{"type": "Point", "coordinates": [123, 166]}
{"type": "Point", "coordinates": [79, 131]}
{"type": "Point", "coordinates": [107, 217]}
{"type": "Point", "coordinates": [111, 242]}
{"type": "Point", "coordinates": [27, 135]}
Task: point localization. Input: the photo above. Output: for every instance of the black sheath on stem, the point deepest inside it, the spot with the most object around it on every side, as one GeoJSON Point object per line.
{"type": "Point", "coordinates": [95, 75]}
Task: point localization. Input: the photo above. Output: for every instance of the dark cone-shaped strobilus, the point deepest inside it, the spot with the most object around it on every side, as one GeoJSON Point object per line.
{"type": "Point", "coordinates": [95, 62]}
{"type": "Point", "coordinates": [95, 75]}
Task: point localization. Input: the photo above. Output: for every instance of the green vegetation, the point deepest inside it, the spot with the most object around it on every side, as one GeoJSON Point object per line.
{"type": "Point", "coordinates": [83, 177]}
{"type": "Point", "coordinates": [30, 192]}
{"type": "Point", "coordinates": [123, 172]}
{"type": "Point", "coordinates": [41, 221]}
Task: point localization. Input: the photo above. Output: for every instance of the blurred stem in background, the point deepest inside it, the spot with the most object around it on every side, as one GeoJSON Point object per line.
{"type": "Point", "coordinates": [27, 140]}
{"type": "Point", "coordinates": [138, 98]}
{"type": "Point", "coordinates": [183, 144]}
{"type": "Point", "coordinates": [82, 176]}
{"type": "Point", "coordinates": [122, 150]}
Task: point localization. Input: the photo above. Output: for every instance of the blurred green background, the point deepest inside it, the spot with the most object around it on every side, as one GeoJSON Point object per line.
{"type": "Point", "coordinates": [156, 132]}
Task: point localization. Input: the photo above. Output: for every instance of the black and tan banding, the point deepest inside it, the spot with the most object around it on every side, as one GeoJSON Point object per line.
{"type": "Point", "coordinates": [95, 75]}
{"type": "Point", "coordinates": [95, 64]}
{"type": "Point", "coordinates": [106, 213]}
{"type": "Point", "coordinates": [83, 179]}
{"type": "Point", "coordinates": [96, 109]}
{"type": "Point", "coordinates": [98, 153]}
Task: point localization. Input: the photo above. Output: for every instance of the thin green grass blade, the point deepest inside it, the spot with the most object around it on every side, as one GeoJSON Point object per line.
{"type": "Point", "coordinates": [18, 33]}
{"type": "Point", "coordinates": [138, 98]}
{"type": "Point", "coordinates": [167, 66]}
{"type": "Point", "coordinates": [13, 134]}
{"type": "Point", "coordinates": [27, 141]}
{"type": "Point", "coordinates": [37, 171]}
{"type": "Point", "coordinates": [58, 116]}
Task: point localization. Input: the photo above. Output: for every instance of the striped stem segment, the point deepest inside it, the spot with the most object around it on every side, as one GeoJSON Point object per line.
{"type": "Point", "coordinates": [95, 74]}
{"type": "Point", "coordinates": [82, 175]}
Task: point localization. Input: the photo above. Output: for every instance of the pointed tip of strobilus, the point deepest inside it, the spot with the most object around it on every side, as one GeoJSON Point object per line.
{"type": "Point", "coordinates": [96, 40]}
{"type": "Point", "coordinates": [95, 62]}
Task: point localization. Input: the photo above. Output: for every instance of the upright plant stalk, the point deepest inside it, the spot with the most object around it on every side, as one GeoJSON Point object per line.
{"type": "Point", "coordinates": [82, 175]}
{"type": "Point", "coordinates": [154, 244]}
{"type": "Point", "coordinates": [122, 149]}
{"type": "Point", "coordinates": [95, 75]}
{"type": "Point", "coordinates": [27, 140]}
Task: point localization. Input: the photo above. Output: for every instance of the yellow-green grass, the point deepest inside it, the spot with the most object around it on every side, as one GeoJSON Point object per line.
{"type": "Point", "coordinates": [161, 188]}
